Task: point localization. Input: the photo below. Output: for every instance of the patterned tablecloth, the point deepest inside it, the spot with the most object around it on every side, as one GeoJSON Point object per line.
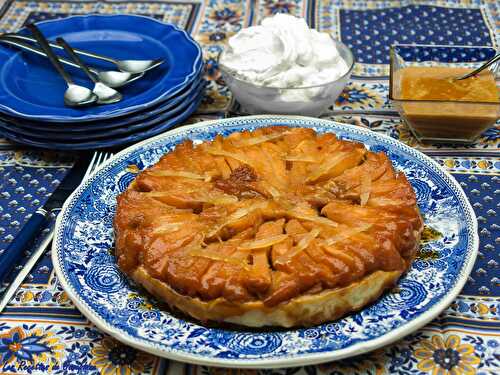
{"type": "Point", "coordinates": [41, 331]}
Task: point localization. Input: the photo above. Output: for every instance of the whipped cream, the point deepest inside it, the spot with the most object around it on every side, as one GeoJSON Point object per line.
{"type": "Point", "coordinates": [284, 52]}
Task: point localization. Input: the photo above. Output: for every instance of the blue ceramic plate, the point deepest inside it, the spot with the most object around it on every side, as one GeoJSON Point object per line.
{"type": "Point", "coordinates": [87, 270]}
{"type": "Point", "coordinates": [100, 125]}
{"type": "Point", "coordinates": [97, 132]}
{"type": "Point", "coordinates": [30, 88]}
{"type": "Point", "coordinates": [116, 141]}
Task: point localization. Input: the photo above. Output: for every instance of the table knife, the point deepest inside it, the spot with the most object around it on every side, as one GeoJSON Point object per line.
{"type": "Point", "coordinates": [14, 252]}
{"type": "Point", "coordinates": [28, 266]}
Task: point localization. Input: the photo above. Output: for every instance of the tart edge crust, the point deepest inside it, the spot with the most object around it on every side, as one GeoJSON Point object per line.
{"type": "Point", "coordinates": [305, 310]}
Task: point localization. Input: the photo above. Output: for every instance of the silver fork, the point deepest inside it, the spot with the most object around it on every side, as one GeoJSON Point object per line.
{"type": "Point", "coordinates": [97, 160]}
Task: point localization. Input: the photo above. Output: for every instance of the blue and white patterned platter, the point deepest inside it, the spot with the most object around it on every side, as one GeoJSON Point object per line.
{"type": "Point", "coordinates": [86, 267]}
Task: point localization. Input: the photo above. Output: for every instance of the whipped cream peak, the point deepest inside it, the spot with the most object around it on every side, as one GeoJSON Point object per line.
{"type": "Point", "coordinates": [283, 52]}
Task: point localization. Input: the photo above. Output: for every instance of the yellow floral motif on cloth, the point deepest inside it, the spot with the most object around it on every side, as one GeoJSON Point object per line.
{"type": "Point", "coordinates": [448, 357]}
{"type": "Point", "coordinates": [227, 13]}
{"type": "Point", "coordinates": [112, 357]}
{"type": "Point", "coordinates": [357, 96]}
{"type": "Point", "coordinates": [214, 37]}
{"type": "Point", "coordinates": [406, 136]}
{"type": "Point", "coordinates": [36, 346]}
{"type": "Point", "coordinates": [272, 7]}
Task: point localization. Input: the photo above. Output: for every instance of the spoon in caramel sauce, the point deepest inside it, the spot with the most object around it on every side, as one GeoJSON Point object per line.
{"type": "Point", "coordinates": [491, 61]}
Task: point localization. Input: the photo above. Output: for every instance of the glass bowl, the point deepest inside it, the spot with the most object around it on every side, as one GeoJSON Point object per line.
{"type": "Point", "coordinates": [306, 100]}
{"type": "Point", "coordinates": [450, 121]}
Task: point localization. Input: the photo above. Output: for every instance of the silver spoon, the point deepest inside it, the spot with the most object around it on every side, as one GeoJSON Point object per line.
{"type": "Point", "coordinates": [75, 95]}
{"type": "Point", "coordinates": [130, 66]}
{"type": "Point", "coordinates": [105, 94]}
{"type": "Point", "coordinates": [491, 61]}
{"type": "Point", "coordinates": [111, 78]}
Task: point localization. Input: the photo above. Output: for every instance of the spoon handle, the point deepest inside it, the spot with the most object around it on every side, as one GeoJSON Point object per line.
{"type": "Point", "coordinates": [491, 61]}
{"type": "Point", "coordinates": [28, 47]}
{"type": "Point", "coordinates": [50, 54]}
{"type": "Point", "coordinates": [69, 50]}
{"type": "Point", "coordinates": [76, 50]}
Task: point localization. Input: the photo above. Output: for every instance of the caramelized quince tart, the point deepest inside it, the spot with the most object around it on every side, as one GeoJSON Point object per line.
{"type": "Point", "coordinates": [278, 226]}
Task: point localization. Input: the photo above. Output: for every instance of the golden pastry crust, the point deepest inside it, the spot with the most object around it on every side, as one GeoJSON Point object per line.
{"type": "Point", "coordinates": [306, 310]}
{"type": "Point", "coordinates": [278, 226]}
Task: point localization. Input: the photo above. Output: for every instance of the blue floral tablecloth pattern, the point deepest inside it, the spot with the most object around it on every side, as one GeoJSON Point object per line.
{"type": "Point", "coordinates": [42, 332]}
{"type": "Point", "coordinates": [27, 179]}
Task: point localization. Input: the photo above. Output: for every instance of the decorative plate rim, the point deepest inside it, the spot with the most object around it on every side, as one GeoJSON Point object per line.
{"type": "Point", "coordinates": [299, 359]}
{"type": "Point", "coordinates": [197, 64]}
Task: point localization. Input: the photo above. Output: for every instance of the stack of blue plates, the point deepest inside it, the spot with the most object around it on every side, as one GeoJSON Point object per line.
{"type": "Point", "coordinates": [32, 109]}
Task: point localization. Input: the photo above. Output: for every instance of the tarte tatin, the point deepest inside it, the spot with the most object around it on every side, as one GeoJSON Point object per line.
{"type": "Point", "coordinates": [273, 227]}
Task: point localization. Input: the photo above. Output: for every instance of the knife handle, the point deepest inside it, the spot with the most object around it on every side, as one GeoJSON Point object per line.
{"type": "Point", "coordinates": [14, 252]}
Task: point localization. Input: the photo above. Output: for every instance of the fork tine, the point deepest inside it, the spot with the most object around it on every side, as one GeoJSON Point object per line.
{"type": "Point", "coordinates": [91, 164]}
{"type": "Point", "coordinates": [97, 159]}
{"type": "Point", "coordinates": [107, 155]}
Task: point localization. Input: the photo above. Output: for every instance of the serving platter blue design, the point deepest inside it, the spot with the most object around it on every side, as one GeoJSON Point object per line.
{"type": "Point", "coordinates": [31, 89]}
{"type": "Point", "coordinates": [83, 260]}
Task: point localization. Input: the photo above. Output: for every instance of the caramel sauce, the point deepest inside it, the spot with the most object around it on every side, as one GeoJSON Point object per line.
{"type": "Point", "coordinates": [429, 234]}
{"type": "Point", "coordinates": [132, 168]}
{"type": "Point", "coordinates": [461, 110]}
{"type": "Point", "coordinates": [439, 83]}
{"type": "Point", "coordinates": [426, 254]}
